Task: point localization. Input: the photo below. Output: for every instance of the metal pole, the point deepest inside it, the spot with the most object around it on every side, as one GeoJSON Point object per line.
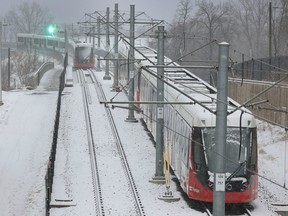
{"type": "Point", "coordinates": [66, 41]}
{"type": "Point", "coordinates": [1, 102]}
{"type": "Point", "coordinates": [160, 107]}
{"type": "Point", "coordinates": [131, 117]}
{"type": "Point", "coordinates": [221, 131]}
{"type": "Point", "coordinates": [116, 63]}
{"type": "Point", "coordinates": [107, 76]}
{"type": "Point", "coordinates": [99, 41]}
{"type": "Point", "coordinates": [270, 38]}
{"type": "Point", "coordinates": [93, 41]}
{"type": "Point", "coordinates": [9, 72]}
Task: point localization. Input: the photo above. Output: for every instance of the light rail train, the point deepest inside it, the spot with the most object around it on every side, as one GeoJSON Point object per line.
{"type": "Point", "coordinates": [189, 131]}
{"type": "Point", "coordinates": [82, 52]}
{"type": "Point", "coordinates": [83, 56]}
{"type": "Point", "coordinates": [43, 41]}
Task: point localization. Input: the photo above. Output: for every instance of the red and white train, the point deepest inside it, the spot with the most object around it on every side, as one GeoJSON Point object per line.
{"type": "Point", "coordinates": [83, 56]}
{"type": "Point", "coordinates": [190, 132]}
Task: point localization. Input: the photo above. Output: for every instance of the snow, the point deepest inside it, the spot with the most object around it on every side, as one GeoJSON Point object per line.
{"type": "Point", "coordinates": [26, 131]}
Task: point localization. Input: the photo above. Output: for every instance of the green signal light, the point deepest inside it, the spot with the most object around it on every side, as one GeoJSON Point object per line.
{"type": "Point", "coordinates": [51, 29]}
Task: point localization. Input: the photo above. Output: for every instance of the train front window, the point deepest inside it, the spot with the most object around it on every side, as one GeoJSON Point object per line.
{"type": "Point", "coordinates": [238, 151]}
{"type": "Point", "coordinates": [83, 53]}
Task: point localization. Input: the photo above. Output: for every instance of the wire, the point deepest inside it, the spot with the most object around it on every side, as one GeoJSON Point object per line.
{"type": "Point", "coordinates": [223, 156]}
{"type": "Point", "coordinates": [112, 48]}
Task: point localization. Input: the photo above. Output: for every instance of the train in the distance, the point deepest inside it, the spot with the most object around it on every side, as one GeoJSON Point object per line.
{"type": "Point", "coordinates": [83, 56]}
{"type": "Point", "coordinates": [189, 131]}
{"type": "Point", "coordinates": [46, 42]}
{"type": "Point", "coordinates": [82, 52]}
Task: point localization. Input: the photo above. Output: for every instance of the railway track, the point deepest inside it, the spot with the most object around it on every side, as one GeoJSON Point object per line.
{"type": "Point", "coordinates": [230, 211]}
{"type": "Point", "coordinates": [91, 145]}
{"type": "Point", "coordinates": [93, 93]}
{"type": "Point", "coordinates": [117, 167]}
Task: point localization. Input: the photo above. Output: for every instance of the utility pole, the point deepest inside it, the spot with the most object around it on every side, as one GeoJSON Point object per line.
{"type": "Point", "coordinates": [107, 76]}
{"type": "Point", "coordinates": [131, 117]}
{"type": "Point", "coordinates": [116, 55]}
{"type": "Point", "coordinates": [66, 41]}
{"type": "Point", "coordinates": [9, 72]}
{"type": "Point", "coordinates": [221, 132]}
{"type": "Point", "coordinates": [270, 38]}
{"type": "Point", "coordinates": [93, 40]}
{"type": "Point", "coordinates": [99, 41]}
{"type": "Point", "coordinates": [1, 102]}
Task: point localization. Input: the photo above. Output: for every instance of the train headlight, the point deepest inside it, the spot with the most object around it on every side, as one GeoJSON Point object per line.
{"type": "Point", "coordinates": [245, 184]}
{"type": "Point", "coordinates": [210, 184]}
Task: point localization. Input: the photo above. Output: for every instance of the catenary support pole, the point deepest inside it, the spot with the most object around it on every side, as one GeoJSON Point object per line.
{"type": "Point", "coordinates": [160, 107]}
{"type": "Point", "coordinates": [93, 40]}
{"type": "Point", "coordinates": [221, 131]}
{"type": "Point", "coordinates": [270, 39]}
{"type": "Point", "coordinates": [131, 54]}
{"type": "Point", "coordinates": [99, 41]}
{"type": "Point", "coordinates": [116, 62]}
{"type": "Point", "coordinates": [1, 102]}
{"type": "Point", "coordinates": [107, 76]}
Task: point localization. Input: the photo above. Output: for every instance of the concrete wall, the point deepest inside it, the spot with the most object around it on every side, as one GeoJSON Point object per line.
{"type": "Point", "coordinates": [277, 96]}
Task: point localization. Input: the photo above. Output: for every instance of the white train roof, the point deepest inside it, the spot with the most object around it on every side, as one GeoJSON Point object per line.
{"type": "Point", "coordinates": [46, 37]}
{"type": "Point", "coordinates": [198, 90]}
{"type": "Point", "coordinates": [83, 44]}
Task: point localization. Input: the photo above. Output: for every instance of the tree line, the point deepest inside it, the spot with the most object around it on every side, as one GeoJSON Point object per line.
{"type": "Point", "coordinates": [242, 23]}
{"type": "Point", "coordinates": [196, 28]}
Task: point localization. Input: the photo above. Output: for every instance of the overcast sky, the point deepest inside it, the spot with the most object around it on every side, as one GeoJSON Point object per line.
{"type": "Point", "coordinates": [71, 11]}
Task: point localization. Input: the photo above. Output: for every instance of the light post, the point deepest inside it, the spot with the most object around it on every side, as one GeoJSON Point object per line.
{"type": "Point", "coordinates": [1, 102]}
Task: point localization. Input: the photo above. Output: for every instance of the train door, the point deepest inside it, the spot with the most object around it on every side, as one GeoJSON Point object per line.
{"type": "Point", "coordinates": [185, 149]}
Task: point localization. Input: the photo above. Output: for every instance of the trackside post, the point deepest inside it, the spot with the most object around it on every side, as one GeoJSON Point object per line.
{"type": "Point", "coordinates": [221, 131]}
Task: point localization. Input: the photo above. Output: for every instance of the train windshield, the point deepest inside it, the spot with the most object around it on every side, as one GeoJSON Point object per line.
{"type": "Point", "coordinates": [238, 149]}
{"type": "Point", "coordinates": [83, 53]}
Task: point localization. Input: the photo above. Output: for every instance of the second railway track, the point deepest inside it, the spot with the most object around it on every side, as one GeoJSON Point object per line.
{"type": "Point", "coordinates": [114, 186]}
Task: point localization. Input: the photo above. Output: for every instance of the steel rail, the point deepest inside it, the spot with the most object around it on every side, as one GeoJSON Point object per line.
{"type": "Point", "coordinates": [128, 173]}
{"type": "Point", "coordinates": [93, 161]}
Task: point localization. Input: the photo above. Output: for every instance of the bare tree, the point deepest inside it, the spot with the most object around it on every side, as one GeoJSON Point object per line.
{"type": "Point", "coordinates": [28, 17]}
{"type": "Point", "coordinates": [252, 19]}
{"type": "Point", "coordinates": [210, 18]}
{"type": "Point", "coordinates": [280, 27]}
{"type": "Point", "coordinates": [24, 65]}
{"type": "Point", "coordinates": [184, 10]}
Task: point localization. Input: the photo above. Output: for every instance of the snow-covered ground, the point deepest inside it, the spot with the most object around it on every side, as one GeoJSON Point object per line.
{"type": "Point", "coordinates": [26, 122]}
{"type": "Point", "coordinates": [26, 129]}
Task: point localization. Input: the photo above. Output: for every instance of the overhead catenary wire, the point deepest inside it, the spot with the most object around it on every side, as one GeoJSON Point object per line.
{"type": "Point", "coordinates": [249, 113]}
{"type": "Point", "coordinates": [227, 159]}
{"type": "Point", "coordinates": [223, 156]}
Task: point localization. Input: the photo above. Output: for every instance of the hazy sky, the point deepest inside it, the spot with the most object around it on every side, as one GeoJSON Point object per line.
{"type": "Point", "coordinates": [71, 11]}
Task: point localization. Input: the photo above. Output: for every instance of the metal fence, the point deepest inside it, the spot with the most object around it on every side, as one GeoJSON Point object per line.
{"type": "Point", "coordinates": [261, 69]}
{"type": "Point", "coordinates": [50, 169]}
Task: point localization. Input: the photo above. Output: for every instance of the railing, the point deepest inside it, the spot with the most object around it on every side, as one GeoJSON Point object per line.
{"type": "Point", "coordinates": [42, 70]}
{"type": "Point", "coordinates": [50, 167]}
